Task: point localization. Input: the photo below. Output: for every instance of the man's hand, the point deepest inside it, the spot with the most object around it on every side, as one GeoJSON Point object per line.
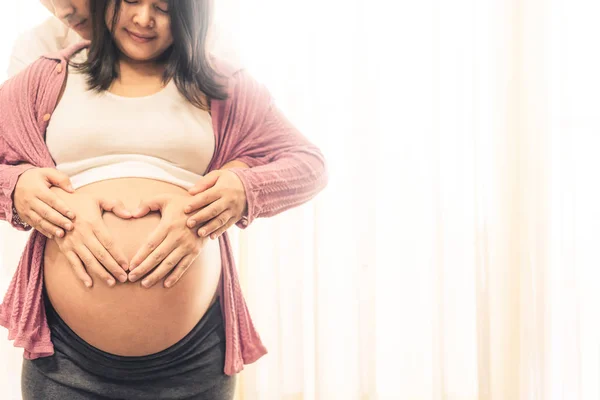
{"type": "Point", "coordinates": [219, 202]}
{"type": "Point", "coordinates": [40, 207]}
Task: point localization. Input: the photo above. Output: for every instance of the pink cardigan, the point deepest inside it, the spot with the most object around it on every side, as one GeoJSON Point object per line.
{"type": "Point", "coordinates": [285, 171]}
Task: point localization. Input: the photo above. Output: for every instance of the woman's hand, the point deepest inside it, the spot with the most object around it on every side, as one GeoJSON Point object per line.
{"type": "Point", "coordinates": [38, 206]}
{"type": "Point", "coordinates": [172, 247]}
{"type": "Point", "coordinates": [220, 199]}
{"type": "Point", "coordinates": [90, 248]}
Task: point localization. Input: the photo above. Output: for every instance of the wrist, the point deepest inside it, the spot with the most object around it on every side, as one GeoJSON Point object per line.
{"type": "Point", "coordinates": [17, 219]}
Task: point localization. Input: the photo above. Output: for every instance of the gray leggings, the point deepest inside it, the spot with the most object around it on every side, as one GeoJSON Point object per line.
{"type": "Point", "coordinates": [190, 369]}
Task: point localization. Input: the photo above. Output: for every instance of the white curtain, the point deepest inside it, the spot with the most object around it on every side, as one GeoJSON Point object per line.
{"type": "Point", "coordinates": [453, 254]}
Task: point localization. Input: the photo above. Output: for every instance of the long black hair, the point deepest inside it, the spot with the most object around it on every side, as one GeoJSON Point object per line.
{"type": "Point", "coordinates": [187, 60]}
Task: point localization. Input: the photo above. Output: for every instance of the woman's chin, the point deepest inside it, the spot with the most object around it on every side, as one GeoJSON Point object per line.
{"type": "Point", "coordinates": [140, 53]}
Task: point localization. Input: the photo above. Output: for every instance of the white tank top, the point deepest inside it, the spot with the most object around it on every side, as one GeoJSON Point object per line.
{"type": "Point", "coordinates": [98, 136]}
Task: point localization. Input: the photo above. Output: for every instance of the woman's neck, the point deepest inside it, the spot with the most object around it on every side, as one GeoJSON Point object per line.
{"type": "Point", "coordinates": [133, 73]}
{"type": "Point", "coordinates": [137, 79]}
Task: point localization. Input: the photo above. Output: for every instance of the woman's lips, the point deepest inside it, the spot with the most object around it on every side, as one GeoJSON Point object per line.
{"type": "Point", "coordinates": [140, 38]}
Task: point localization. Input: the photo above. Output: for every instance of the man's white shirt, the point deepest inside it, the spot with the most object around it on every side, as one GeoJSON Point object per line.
{"type": "Point", "coordinates": [48, 37]}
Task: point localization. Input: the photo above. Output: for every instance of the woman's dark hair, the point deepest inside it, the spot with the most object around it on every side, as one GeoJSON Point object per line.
{"type": "Point", "coordinates": [187, 60]}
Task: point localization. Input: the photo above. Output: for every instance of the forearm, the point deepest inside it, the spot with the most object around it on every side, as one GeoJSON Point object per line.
{"type": "Point", "coordinates": [289, 181]}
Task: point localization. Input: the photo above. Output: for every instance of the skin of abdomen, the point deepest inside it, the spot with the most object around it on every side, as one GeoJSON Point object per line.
{"type": "Point", "coordinates": [128, 319]}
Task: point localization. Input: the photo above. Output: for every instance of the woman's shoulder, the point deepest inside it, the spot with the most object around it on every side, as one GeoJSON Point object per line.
{"type": "Point", "coordinates": [67, 53]}
{"type": "Point", "coordinates": [239, 80]}
{"type": "Point", "coordinates": [225, 67]}
{"type": "Point", "coordinates": [42, 71]}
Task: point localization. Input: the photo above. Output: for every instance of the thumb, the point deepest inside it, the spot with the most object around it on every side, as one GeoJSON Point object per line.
{"type": "Point", "coordinates": [116, 207]}
{"type": "Point", "coordinates": [60, 179]}
{"type": "Point", "coordinates": [154, 204]}
{"type": "Point", "coordinates": [207, 181]}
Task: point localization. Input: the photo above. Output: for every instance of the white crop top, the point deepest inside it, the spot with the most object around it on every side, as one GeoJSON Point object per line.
{"type": "Point", "coordinates": [98, 136]}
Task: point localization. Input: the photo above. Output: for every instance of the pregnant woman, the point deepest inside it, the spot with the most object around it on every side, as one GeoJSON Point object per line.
{"type": "Point", "coordinates": [135, 120]}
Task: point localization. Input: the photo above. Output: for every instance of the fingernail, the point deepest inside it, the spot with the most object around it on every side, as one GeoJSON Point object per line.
{"type": "Point", "coordinates": [69, 226]}
{"type": "Point", "coordinates": [146, 283]}
{"type": "Point", "coordinates": [187, 209]}
{"type": "Point", "coordinates": [202, 233]}
{"type": "Point", "coordinates": [191, 223]}
{"type": "Point", "coordinates": [122, 278]}
{"type": "Point", "coordinates": [127, 213]}
{"type": "Point", "coordinates": [71, 188]}
{"type": "Point", "coordinates": [125, 266]}
{"type": "Point", "coordinates": [168, 284]}
{"type": "Point", "coordinates": [70, 215]}
{"type": "Point", "coordinates": [110, 282]}
{"type": "Point", "coordinates": [132, 277]}
{"type": "Point", "coordinates": [88, 284]}
{"type": "Point", "coordinates": [58, 233]}
{"type": "Point", "coordinates": [213, 236]}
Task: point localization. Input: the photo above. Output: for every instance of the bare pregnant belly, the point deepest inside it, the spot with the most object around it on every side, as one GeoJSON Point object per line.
{"type": "Point", "coordinates": [127, 319]}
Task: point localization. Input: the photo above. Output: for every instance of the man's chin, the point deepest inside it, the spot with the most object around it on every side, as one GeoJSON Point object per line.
{"type": "Point", "coordinates": [82, 29]}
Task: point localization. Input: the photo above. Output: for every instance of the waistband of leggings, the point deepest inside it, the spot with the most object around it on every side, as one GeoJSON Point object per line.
{"type": "Point", "coordinates": [173, 358]}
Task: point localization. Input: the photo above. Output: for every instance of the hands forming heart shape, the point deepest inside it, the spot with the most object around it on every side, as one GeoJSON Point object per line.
{"type": "Point", "coordinates": [169, 249]}
{"type": "Point", "coordinates": [218, 202]}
